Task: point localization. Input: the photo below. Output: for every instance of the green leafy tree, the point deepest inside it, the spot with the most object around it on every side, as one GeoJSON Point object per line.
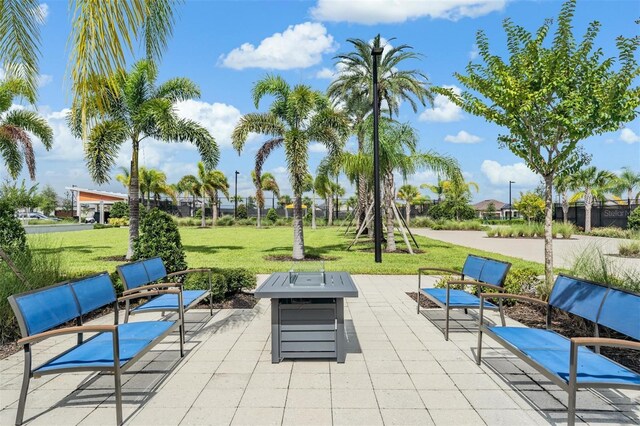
{"type": "Point", "coordinates": [531, 206]}
{"type": "Point", "coordinates": [491, 210]}
{"type": "Point", "coordinates": [591, 184]}
{"type": "Point", "coordinates": [17, 126]}
{"type": "Point", "coordinates": [13, 238]}
{"type": "Point", "coordinates": [20, 197]}
{"type": "Point", "coordinates": [48, 200]}
{"type": "Point", "coordinates": [550, 96]}
{"type": "Point", "coordinates": [159, 236]}
{"type": "Point", "coordinates": [119, 209]}
{"type": "Point", "coordinates": [136, 110]}
{"type": "Point", "coordinates": [408, 193]}
{"type": "Point", "coordinates": [297, 116]}
{"type": "Point", "coordinates": [241, 213]}
{"type": "Point", "coordinates": [353, 87]}
{"type": "Point", "coordinates": [457, 196]}
{"type": "Point", "coordinates": [272, 215]}
{"type": "Point", "coordinates": [634, 219]}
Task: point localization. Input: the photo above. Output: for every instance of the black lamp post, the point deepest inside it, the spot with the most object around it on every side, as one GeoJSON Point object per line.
{"type": "Point", "coordinates": [235, 198]}
{"type": "Point", "coordinates": [510, 205]}
{"type": "Point", "coordinates": [337, 199]}
{"type": "Point", "coordinates": [376, 52]}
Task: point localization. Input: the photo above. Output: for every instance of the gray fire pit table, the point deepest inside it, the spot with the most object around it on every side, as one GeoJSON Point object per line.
{"type": "Point", "coordinates": [307, 313]}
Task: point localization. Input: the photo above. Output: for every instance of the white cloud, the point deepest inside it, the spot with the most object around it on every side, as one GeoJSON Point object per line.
{"type": "Point", "coordinates": [372, 12]}
{"type": "Point", "coordinates": [463, 137]}
{"type": "Point", "coordinates": [443, 110]}
{"type": "Point", "coordinates": [629, 136]}
{"type": "Point", "coordinates": [501, 175]}
{"type": "Point", "coordinates": [280, 170]}
{"type": "Point", "coordinates": [44, 11]}
{"type": "Point", "coordinates": [44, 79]}
{"type": "Point", "coordinates": [218, 118]}
{"type": "Point", "coordinates": [473, 53]}
{"type": "Point", "coordinates": [299, 46]}
{"type": "Point", "coordinates": [317, 147]}
{"type": "Point", "coordinates": [325, 73]}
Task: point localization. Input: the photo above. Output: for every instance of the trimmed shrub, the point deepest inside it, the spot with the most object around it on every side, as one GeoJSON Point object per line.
{"type": "Point", "coordinates": [225, 282]}
{"type": "Point", "coordinates": [633, 221]}
{"type": "Point", "coordinates": [272, 215]}
{"type": "Point", "coordinates": [119, 209]}
{"type": "Point", "coordinates": [611, 232]}
{"type": "Point", "coordinates": [225, 221]}
{"type": "Point", "coordinates": [241, 213]}
{"type": "Point", "coordinates": [118, 221]}
{"type": "Point", "coordinates": [422, 222]}
{"type": "Point", "coordinates": [13, 239]}
{"type": "Point", "coordinates": [159, 236]}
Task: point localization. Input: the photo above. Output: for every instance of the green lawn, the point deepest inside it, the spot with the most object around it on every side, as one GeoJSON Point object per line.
{"type": "Point", "coordinates": [85, 251]}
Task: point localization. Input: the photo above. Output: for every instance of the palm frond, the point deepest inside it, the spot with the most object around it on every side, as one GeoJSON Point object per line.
{"type": "Point", "coordinates": [158, 27]}
{"type": "Point", "coordinates": [177, 89]}
{"type": "Point", "coordinates": [270, 85]}
{"type": "Point", "coordinates": [184, 130]}
{"type": "Point", "coordinates": [263, 123]}
{"type": "Point", "coordinates": [20, 139]}
{"type": "Point", "coordinates": [10, 153]}
{"type": "Point", "coordinates": [31, 122]}
{"type": "Point", "coordinates": [101, 149]}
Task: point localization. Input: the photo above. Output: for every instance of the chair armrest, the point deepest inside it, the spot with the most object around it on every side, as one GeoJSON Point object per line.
{"type": "Point", "coordinates": [603, 341]}
{"type": "Point", "coordinates": [513, 296]}
{"type": "Point", "coordinates": [148, 293]}
{"type": "Point", "coordinates": [188, 271]}
{"type": "Point", "coordinates": [428, 268]}
{"type": "Point", "coordinates": [478, 283]}
{"type": "Point", "coordinates": [156, 286]}
{"type": "Point", "coordinates": [107, 328]}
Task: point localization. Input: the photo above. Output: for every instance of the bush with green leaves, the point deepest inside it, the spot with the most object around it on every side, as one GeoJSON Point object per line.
{"type": "Point", "coordinates": [225, 221]}
{"type": "Point", "coordinates": [159, 236]}
{"type": "Point", "coordinates": [446, 210]}
{"type": "Point", "coordinates": [241, 213]}
{"type": "Point", "coordinates": [119, 221]}
{"type": "Point", "coordinates": [633, 221]}
{"type": "Point", "coordinates": [119, 209]}
{"type": "Point", "coordinates": [272, 215]}
{"type": "Point", "coordinates": [611, 232]}
{"type": "Point", "coordinates": [629, 248]}
{"type": "Point", "coordinates": [12, 236]}
{"type": "Point", "coordinates": [225, 282]}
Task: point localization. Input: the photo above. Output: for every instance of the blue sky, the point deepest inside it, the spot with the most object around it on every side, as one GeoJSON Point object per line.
{"type": "Point", "coordinates": [225, 46]}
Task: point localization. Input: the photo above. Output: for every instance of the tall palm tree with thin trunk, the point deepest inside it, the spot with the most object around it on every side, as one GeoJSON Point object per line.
{"type": "Point", "coordinates": [627, 182]}
{"type": "Point", "coordinates": [562, 182]}
{"type": "Point", "coordinates": [408, 193]}
{"type": "Point", "coordinates": [17, 127]}
{"type": "Point", "coordinates": [136, 110]}
{"type": "Point", "coordinates": [206, 182]}
{"type": "Point", "coordinates": [437, 188]}
{"type": "Point", "coordinates": [297, 116]}
{"type": "Point", "coordinates": [216, 181]}
{"type": "Point", "coordinates": [591, 184]}
{"type": "Point", "coordinates": [353, 87]}
{"type": "Point", "coordinates": [154, 182]}
{"type": "Point", "coordinates": [267, 183]}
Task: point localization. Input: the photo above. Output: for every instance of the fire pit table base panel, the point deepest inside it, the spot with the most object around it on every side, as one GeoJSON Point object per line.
{"type": "Point", "coordinates": [307, 328]}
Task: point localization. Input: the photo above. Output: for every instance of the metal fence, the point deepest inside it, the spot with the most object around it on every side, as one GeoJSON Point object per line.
{"type": "Point", "coordinates": [603, 213]}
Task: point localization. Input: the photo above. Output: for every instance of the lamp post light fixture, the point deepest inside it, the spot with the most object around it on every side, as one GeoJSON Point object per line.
{"type": "Point", "coordinates": [510, 204]}
{"type": "Point", "coordinates": [376, 53]}
{"type": "Point", "coordinates": [235, 198]}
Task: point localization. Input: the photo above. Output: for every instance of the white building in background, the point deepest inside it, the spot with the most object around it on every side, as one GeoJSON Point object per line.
{"type": "Point", "coordinates": [93, 201]}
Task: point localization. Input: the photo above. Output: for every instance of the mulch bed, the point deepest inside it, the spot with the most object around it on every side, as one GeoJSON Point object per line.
{"type": "Point", "coordinates": [307, 258]}
{"type": "Point", "coordinates": [566, 324]}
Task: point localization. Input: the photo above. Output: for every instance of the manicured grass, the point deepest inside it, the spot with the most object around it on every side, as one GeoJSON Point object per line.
{"type": "Point", "coordinates": [86, 251]}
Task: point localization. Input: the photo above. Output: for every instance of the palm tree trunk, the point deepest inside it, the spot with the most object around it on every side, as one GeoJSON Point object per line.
{"type": "Point", "coordinates": [258, 218]}
{"type": "Point", "coordinates": [214, 208]}
{"type": "Point", "coordinates": [548, 231]}
{"type": "Point", "coordinates": [408, 212]}
{"type": "Point", "coordinates": [298, 233]}
{"type": "Point", "coordinates": [313, 209]}
{"type": "Point", "coordinates": [588, 203]}
{"type": "Point", "coordinates": [330, 210]}
{"type": "Point", "coordinates": [388, 204]}
{"type": "Point", "coordinates": [286, 211]}
{"type": "Point", "coordinates": [134, 200]}
{"type": "Point", "coordinates": [203, 222]}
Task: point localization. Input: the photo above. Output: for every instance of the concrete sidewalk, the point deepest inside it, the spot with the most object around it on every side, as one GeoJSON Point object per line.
{"type": "Point", "coordinates": [532, 249]}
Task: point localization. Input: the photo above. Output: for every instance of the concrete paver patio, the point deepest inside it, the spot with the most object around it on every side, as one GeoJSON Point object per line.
{"type": "Point", "coordinates": [399, 371]}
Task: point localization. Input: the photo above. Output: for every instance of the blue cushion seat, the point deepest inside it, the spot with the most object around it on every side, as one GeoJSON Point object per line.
{"type": "Point", "coordinates": [170, 301]}
{"type": "Point", "coordinates": [551, 350]}
{"type": "Point", "coordinates": [456, 297]}
{"type": "Point", "coordinates": [98, 351]}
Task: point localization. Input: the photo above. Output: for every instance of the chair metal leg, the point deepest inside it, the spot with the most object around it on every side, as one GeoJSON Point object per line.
{"type": "Point", "coordinates": [573, 378]}
{"type": "Point", "coordinates": [25, 385]}
{"type": "Point", "coordinates": [446, 323]}
{"type": "Point", "coordinates": [419, 288]}
{"type": "Point", "coordinates": [504, 324]}
{"type": "Point", "coordinates": [118, 387]}
{"type": "Point", "coordinates": [571, 410]}
{"type": "Point", "coordinates": [480, 324]}
{"type": "Point", "coordinates": [181, 341]}
{"type": "Point", "coordinates": [126, 312]}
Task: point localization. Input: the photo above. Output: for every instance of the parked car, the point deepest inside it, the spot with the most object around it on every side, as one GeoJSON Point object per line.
{"type": "Point", "coordinates": [37, 216]}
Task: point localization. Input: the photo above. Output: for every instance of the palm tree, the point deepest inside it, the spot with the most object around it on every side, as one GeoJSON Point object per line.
{"type": "Point", "coordinates": [284, 201]}
{"type": "Point", "coordinates": [215, 181]}
{"type": "Point", "coordinates": [103, 34]}
{"type": "Point", "coordinates": [154, 182]}
{"type": "Point", "coordinates": [267, 183]}
{"type": "Point", "coordinates": [437, 188]}
{"type": "Point", "coordinates": [124, 177]}
{"type": "Point", "coordinates": [408, 193]}
{"type": "Point", "coordinates": [627, 181]}
{"type": "Point", "coordinates": [591, 183]}
{"type": "Point", "coordinates": [297, 116]}
{"type": "Point", "coordinates": [137, 109]}
{"type": "Point", "coordinates": [187, 184]}
{"type": "Point", "coordinates": [562, 182]}
{"type": "Point", "coordinates": [354, 88]}
{"type": "Point", "coordinates": [201, 185]}
{"type": "Point", "coordinates": [18, 125]}
{"type": "Point", "coordinates": [457, 194]}
{"type": "Point", "coordinates": [398, 153]}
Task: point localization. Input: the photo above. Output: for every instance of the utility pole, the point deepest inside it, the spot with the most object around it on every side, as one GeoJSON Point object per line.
{"type": "Point", "coordinates": [235, 198]}
{"type": "Point", "coordinates": [376, 53]}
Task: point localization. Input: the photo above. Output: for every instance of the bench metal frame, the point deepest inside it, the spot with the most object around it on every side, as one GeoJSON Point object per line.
{"type": "Point", "coordinates": [463, 282]}
{"type": "Point", "coordinates": [572, 386]}
{"type": "Point", "coordinates": [27, 341]}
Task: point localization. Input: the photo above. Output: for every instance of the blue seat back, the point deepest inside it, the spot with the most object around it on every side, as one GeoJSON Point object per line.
{"type": "Point", "coordinates": [93, 292]}
{"type": "Point", "coordinates": [621, 312]}
{"type": "Point", "coordinates": [133, 275]}
{"type": "Point", "coordinates": [494, 272]}
{"type": "Point", "coordinates": [45, 308]}
{"type": "Point", "coordinates": [579, 297]}
{"type": "Point", "coordinates": [473, 267]}
{"type": "Point", "coordinates": [155, 269]}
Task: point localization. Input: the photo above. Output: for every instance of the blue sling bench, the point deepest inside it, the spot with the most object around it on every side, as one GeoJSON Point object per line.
{"type": "Point", "coordinates": [477, 271]}
{"type": "Point", "coordinates": [146, 276]}
{"type": "Point", "coordinates": [568, 362]}
{"type": "Point", "coordinates": [113, 349]}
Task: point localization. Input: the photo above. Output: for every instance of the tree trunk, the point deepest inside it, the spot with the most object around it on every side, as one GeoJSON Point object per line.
{"type": "Point", "coordinates": [313, 209]}
{"type": "Point", "coordinates": [565, 208]}
{"type": "Point", "coordinates": [388, 204]}
{"type": "Point", "coordinates": [286, 212]}
{"type": "Point", "coordinates": [203, 209]}
{"type": "Point", "coordinates": [588, 203]}
{"type": "Point", "coordinates": [548, 232]}
{"type": "Point", "coordinates": [258, 218]}
{"type": "Point", "coordinates": [407, 208]}
{"type": "Point", "coordinates": [214, 208]}
{"type": "Point", "coordinates": [298, 235]}
{"type": "Point", "coordinates": [134, 200]}
{"type": "Point", "coordinates": [193, 204]}
{"type": "Point", "coordinates": [329, 210]}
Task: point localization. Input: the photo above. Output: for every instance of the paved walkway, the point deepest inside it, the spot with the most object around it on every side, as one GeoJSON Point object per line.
{"type": "Point", "coordinates": [399, 371]}
{"type": "Point", "coordinates": [532, 249]}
